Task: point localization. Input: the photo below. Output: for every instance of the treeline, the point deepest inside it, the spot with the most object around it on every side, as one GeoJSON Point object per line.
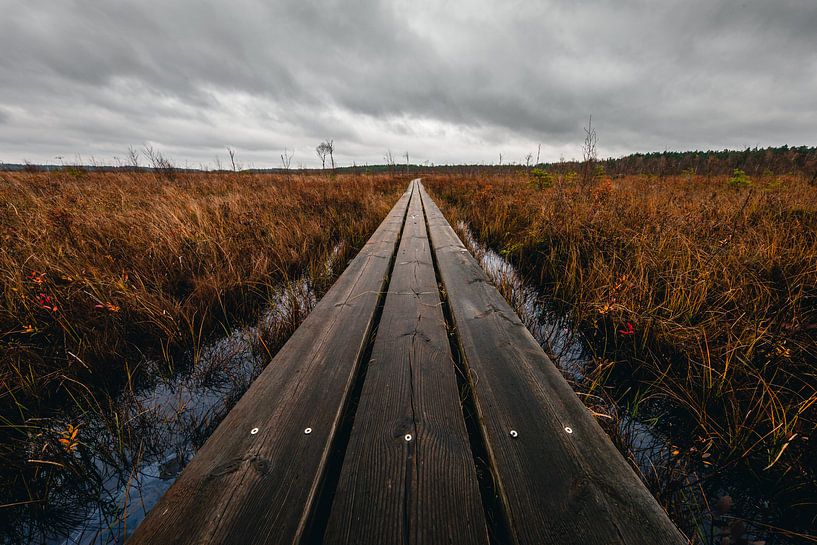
{"type": "Point", "coordinates": [753, 161]}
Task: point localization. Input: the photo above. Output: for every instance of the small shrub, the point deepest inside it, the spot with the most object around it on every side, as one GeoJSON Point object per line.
{"type": "Point", "coordinates": [542, 179]}
{"type": "Point", "coordinates": [739, 179]}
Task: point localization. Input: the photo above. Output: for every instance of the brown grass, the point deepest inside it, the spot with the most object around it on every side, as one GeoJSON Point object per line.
{"type": "Point", "coordinates": [96, 268]}
{"type": "Point", "coordinates": [705, 293]}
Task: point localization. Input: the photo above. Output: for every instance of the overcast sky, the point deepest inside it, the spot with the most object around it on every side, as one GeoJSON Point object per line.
{"type": "Point", "coordinates": [445, 81]}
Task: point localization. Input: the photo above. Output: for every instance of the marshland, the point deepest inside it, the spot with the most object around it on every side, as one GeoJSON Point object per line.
{"type": "Point", "coordinates": [139, 305]}
{"type": "Point", "coordinates": [198, 201]}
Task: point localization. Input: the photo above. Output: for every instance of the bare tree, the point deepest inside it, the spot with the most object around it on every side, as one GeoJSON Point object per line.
{"type": "Point", "coordinates": [589, 155]}
{"type": "Point", "coordinates": [286, 158]}
{"type": "Point", "coordinates": [538, 151]}
{"type": "Point", "coordinates": [389, 158]}
{"type": "Point", "coordinates": [159, 162]}
{"type": "Point", "coordinates": [500, 158]}
{"type": "Point", "coordinates": [231, 153]}
{"type": "Point", "coordinates": [528, 158]}
{"type": "Point", "coordinates": [330, 145]}
{"type": "Point", "coordinates": [322, 150]}
{"type": "Point", "coordinates": [407, 161]}
{"type": "Point", "coordinates": [133, 158]}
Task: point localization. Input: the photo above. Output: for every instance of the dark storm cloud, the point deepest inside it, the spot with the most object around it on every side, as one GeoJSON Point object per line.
{"type": "Point", "coordinates": [453, 81]}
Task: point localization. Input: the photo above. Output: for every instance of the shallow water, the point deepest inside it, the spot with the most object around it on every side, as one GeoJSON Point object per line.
{"type": "Point", "coordinates": [173, 417]}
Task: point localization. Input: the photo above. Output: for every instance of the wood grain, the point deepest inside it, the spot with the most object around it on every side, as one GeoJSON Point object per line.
{"type": "Point", "coordinates": [259, 488]}
{"type": "Point", "coordinates": [408, 475]}
{"type": "Point", "coordinates": [555, 486]}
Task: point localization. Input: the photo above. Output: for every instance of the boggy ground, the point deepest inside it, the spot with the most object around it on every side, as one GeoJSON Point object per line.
{"type": "Point", "coordinates": [698, 298]}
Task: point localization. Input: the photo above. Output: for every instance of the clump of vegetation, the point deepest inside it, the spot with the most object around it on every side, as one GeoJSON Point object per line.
{"type": "Point", "coordinates": [542, 179]}
{"type": "Point", "coordinates": [700, 299]}
{"type": "Point", "coordinates": [739, 179]}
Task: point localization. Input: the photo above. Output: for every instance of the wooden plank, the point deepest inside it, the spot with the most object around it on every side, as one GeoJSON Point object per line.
{"type": "Point", "coordinates": [257, 476]}
{"type": "Point", "coordinates": [423, 490]}
{"type": "Point", "coordinates": [560, 480]}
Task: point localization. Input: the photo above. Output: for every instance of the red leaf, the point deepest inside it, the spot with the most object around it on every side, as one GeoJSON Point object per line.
{"type": "Point", "coordinates": [628, 331]}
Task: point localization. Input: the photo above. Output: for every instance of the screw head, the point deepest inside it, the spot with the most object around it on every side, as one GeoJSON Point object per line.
{"type": "Point", "coordinates": [253, 431]}
{"type": "Point", "coordinates": [407, 437]}
{"type": "Point", "coordinates": [568, 429]}
{"type": "Point", "coordinates": [514, 434]}
{"type": "Point", "coordinates": [307, 431]}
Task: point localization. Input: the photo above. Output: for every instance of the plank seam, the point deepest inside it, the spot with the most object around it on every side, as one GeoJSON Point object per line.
{"type": "Point", "coordinates": [495, 513]}
{"type": "Point", "coordinates": [319, 514]}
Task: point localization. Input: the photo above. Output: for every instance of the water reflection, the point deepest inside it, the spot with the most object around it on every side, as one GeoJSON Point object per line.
{"type": "Point", "coordinates": [173, 417]}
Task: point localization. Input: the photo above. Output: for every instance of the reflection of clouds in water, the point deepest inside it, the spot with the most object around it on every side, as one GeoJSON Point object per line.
{"type": "Point", "coordinates": [170, 417]}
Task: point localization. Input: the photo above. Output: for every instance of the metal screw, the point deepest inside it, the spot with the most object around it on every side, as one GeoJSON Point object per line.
{"type": "Point", "coordinates": [407, 437]}
{"type": "Point", "coordinates": [307, 431]}
{"type": "Point", "coordinates": [568, 429]}
{"type": "Point", "coordinates": [253, 431]}
{"type": "Point", "coordinates": [514, 433]}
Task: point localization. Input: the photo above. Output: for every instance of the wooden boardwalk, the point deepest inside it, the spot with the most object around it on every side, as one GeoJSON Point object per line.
{"type": "Point", "coordinates": [412, 406]}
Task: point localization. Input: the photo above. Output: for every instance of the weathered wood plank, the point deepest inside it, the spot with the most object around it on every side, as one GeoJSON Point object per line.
{"type": "Point", "coordinates": [560, 479]}
{"type": "Point", "coordinates": [408, 475]}
{"type": "Point", "coordinates": [249, 485]}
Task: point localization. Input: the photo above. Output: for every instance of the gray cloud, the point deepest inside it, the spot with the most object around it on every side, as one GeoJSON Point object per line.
{"type": "Point", "coordinates": [448, 82]}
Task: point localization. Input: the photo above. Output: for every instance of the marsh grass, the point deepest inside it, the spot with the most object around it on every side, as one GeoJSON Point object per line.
{"type": "Point", "coordinates": [94, 264]}
{"type": "Point", "coordinates": [698, 300]}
